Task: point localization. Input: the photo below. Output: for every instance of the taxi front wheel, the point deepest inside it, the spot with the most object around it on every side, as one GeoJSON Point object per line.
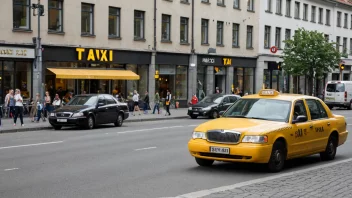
{"type": "Point", "coordinates": [277, 158]}
{"type": "Point", "coordinates": [204, 162]}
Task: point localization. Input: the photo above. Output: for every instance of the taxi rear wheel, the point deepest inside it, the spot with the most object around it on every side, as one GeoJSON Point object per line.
{"type": "Point", "coordinates": [204, 162]}
{"type": "Point", "coordinates": [330, 150]}
{"type": "Point", "coordinates": [277, 158]}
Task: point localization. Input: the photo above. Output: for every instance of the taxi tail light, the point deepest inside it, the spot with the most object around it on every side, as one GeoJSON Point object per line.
{"type": "Point", "coordinates": [345, 96]}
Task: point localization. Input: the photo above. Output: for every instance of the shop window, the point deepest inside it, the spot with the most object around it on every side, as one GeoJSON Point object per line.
{"type": "Point", "coordinates": [55, 15]}
{"type": "Point", "coordinates": [21, 14]}
{"type": "Point", "coordinates": [118, 87]}
{"type": "Point", "coordinates": [142, 71]}
{"type": "Point", "coordinates": [8, 75]}
{"type": "Point", "coordinates": [87, 19]}
{"type": "Point", "coordinates": [181, 83]}
{"type": "Point", "coordinates": [23, 78]}
{"type": "Point", "coordinates": [114, 22]}
{"type": "Point", "coordinates": [64, 86]}
{"type": "Point", "coordinates": [166, 80]}
{"type": "Point", "coordinates": [238, 79]}
{"type": "Point", "coordinates": [248, 80]}
{"type": "Point", "coordinates": [131, 85]}
{"type": "Point", "coordinates": [201, 82]}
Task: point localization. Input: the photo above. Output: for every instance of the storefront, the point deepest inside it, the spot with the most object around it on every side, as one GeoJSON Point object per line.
{"type": "Point", "coordinates": [171, 74]}
{"type": "Point", "coordinates": [224, 73]}
{"type": "Point", "coordinates": [80, 70]}
{"type": "Point", "coordinates": [16, 68]}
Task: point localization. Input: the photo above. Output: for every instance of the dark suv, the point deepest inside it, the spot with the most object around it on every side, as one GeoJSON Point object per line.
{"type": "Point", "coordinates": [211, 105]}
{"type": "Point", "coordinates": [88, 111]}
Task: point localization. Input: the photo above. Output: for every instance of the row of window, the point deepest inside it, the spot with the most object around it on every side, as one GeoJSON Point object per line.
{"type": "Point", "coordinates": [236, 4]}
{"type": "Point", "coordinates": [314, 16]}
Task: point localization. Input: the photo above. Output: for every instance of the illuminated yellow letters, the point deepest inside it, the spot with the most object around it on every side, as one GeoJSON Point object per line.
{"type": "Point", "coordinates": [103, 55]}
{"type": "Point", "coordinates": [227, 61]}
{"type": "Point", "coordinates": [111, 56]}
{"type": "Point", "coordinates": [98, 54]}
{"type": "Point", "coordinates": [91, 55]}
{"type": "Point", "coordinates": [80, 51]}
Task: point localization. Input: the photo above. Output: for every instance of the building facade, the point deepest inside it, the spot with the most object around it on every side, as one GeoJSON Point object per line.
{"type": "Point", "coordinates": [278, 21]}
{"type": "Point", "coordinates": [187, 47]}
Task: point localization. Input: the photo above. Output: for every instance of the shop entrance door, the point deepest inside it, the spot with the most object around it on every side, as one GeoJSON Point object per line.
{"type": "Point", "coordinates": [273, 78]}
{"type": "Point", "coordinates": [94, 86]}
{"type": "Point", "coordinates": [220, 79]}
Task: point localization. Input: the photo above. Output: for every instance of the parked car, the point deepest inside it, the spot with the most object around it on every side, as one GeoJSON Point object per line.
{"type": "Point", "coordinates": [89, 111]}
{"type": "Point", "coordinates": [211, 105]}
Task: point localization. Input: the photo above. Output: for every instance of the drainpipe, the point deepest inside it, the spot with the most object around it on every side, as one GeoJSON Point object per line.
{"type": "Point", "coordinates": [151, 73]}
{"type": "Point", "coordinates": [154, 48]}
{"type": "Point", "coordinates": [192, 42]}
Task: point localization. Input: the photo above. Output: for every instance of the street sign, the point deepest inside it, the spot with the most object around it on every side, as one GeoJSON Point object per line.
{"type": "Point", "coordinates": [273, 49]}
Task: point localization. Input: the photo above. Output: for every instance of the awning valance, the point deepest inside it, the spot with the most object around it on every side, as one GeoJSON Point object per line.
{"type": "Point", "coordinates": [94, 74]}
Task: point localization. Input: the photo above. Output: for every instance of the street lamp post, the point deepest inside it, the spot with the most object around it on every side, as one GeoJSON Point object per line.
{"type": "Point", "coordinates": [38, 63]}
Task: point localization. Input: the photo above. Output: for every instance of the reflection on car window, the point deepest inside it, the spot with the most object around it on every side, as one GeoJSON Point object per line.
{"type": "Point", "coordinates": [266, 109]}
{"type": "Point", "coordinates": [299, 110]}
{"type": "Point", "coordinates": [335, 87]}
{"type": "Point", "coordinates": [216, 98]}
{"type": "Point", "coordinates": [226, 100]}
{"type": "Point", "coordinates": [316, 109]}
{"type": "Point", "coordinates": [83, 100]}
{"type": "Point", "coordinates": [110, 100]}
{"type": "Point", "coordinates": [233, 99]}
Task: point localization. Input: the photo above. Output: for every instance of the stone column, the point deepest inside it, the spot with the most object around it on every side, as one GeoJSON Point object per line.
{"type": "Point", "coordinates": [151, 80]}
{"type": "Point", "coordinates": [259, 75]}
{"type": "Point", "coordinates": [229, 79]}
{"type": "Point", "coordinates": [192, 76]}
{"type": "Point", "coordinates": [210, 80]}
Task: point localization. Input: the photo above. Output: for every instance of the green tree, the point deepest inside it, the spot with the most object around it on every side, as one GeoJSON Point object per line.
{"type": "Point", "coordinates": [309, 53]}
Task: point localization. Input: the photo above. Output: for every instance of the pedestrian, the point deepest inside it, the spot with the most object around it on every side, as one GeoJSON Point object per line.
{"type": "Point", "coordinates": [47, 106]}
{"type": "Point", "coordinates": [39, 110]}
{"type": "Point", "coordinates": [217, 91]}
{"type": "Point", "coordinates": [167, 103]}
{"type": "Point", "coordinates": [57, 101]}
{"type": "Point", "coordinates": [194, 99]}
{"type": "Point", "coordinates": [135, 99]}
{"type": "Point", "coordinates": [34, 109]}
{"type": "Point", "coordinates": [146, 102]}
{"type": "Point", "coordinates": [18, 107]}
{"type": "Point", "coordinates": [156, 102]}
{"type": "Point", "coordinates": [12, 104]}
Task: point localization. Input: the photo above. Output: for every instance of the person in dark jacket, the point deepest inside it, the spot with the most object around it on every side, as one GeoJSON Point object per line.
{"type": "Point", "coordinates": [146, 102]}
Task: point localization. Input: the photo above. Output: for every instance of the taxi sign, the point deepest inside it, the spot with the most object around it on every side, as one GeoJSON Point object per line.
{"type": "Point", "coordinates": [268, 92]}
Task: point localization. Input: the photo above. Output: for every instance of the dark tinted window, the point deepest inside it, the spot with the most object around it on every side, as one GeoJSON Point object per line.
{"type": "Point", "coordinates": [315, 111]}
{"type": "Point", "coordinates": [110, 100]}
{"type": "Point", "coordinates": [102, 100]}
{"type": "Point", "coordinates": [322, 110]}
{"type": "Point", "coordinates": [233, 99]}
{"type": "Point", "coordinates": [299, 110]}
{"type": "Point", "coordinates": [335, 87]}
{"type": "Point", "coordinates": [226, 100]}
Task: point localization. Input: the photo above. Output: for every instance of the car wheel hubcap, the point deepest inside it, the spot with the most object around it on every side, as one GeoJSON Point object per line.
{"type": "Point", "coordinates": [120, 120]}
{"type": "Point", "coordinates": [331, 148]}
{"type": "Point", "coordinates": [90, 122]}
{"type": "Point", "coordinates": [215, 115]}
{"type": "Point", "coordinates": [277, 158]}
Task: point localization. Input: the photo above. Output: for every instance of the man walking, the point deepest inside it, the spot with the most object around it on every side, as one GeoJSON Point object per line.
{"type": "Point", "coordinates": [156, 103]}
{"type": "Point", "coordinates": [167, 103]}
{"type": "Point", "coordinates": [146, 102]}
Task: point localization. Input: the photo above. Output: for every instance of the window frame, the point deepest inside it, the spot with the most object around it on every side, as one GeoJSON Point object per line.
{"type": "Point", "coordinates": [269, 6]}
{"type": "Point", "coordinates": [328, 17]}
{"type": "Point", "coordinates": [298, 6]}
{"type": "Point", "coordinates": [338, 18]}
{"type": "Point", "coordinates": [235, 37]}
{"type": "Point", "coordinates": [168, 22]}
{"type": "Point", "coordinates": [249, 32]}
{"type": "Point", "coordinates": [91, 16]}
{"type": "Point", "coordinates": [313, 14]}
{"type": "Point", "coordinates": [220, 27]}
{"type": "Point", "coordinates": [338, 41]}
{"type": "Point", "coordinates": [221, 3]}
{"type": "Point", "coordinates": [344, 45]}
{"type": "Point", "coordinates": [288, 8]}
{"type": "Point", "coordinates": [279, 7]}
{"type": "Point", "coordinates": [321, 16]}
{"type": "Point", "coordinates": [141, 37]}
{"type": "Point", "coordinates": [206, 31]}
{"type": "Point", "coordinates": [267, 35]}
{"type": "Point", "coordinates": [28, 9]}
{"type": "Point", "coordinates": [278, 37]}
{"type": "Point", "coordinates": [250, 5]}
{"type": "Point", "coordinates": [186, 29]}
{"type": "Point", "coordinates": [350, 46]}
{"type": "Point", "coordinates": [345, 22]}
{"type": "Point", "coordinates": [118, 32]}
{"type": "Point", "coordinates": [61, 2]}
{"type": "Point", "coordinates": [305, 108]}
{"type": "Point", "coordinates": [305, 12]}
{"type": "Point", "coordinates": [238, 4]}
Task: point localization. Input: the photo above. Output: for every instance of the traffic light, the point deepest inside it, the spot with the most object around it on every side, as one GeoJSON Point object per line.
{"type": "Point", "coordinates": [342, 66]}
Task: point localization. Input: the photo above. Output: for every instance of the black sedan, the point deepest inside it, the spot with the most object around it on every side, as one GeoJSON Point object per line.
{"type": "Point", "coordinates": [211, 105]}
{"type": "Point", "coordinates": [89, 111]}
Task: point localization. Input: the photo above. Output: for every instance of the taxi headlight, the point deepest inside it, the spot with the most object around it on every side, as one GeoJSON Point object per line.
{"type": "Point", "coordinates": [77, 115]}
{"type": "Point", "coordinates": [206, 108]}
{"type": "Point", "coordinates": [189, 108]}
{"type": "Point", "coordinates": [255, 139]}
{"type": "Point", "coordinates": [52, 114]}
{"type": "Point", "coordinates": [198, 135]}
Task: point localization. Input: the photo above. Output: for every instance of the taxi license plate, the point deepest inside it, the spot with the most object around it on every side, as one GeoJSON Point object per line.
{"type": "Point", "coordinates": [61, 120]}
{"type": "Point", "coordinates": [220, 150]}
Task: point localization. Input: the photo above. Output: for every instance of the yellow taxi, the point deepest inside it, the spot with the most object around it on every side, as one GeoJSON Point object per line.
{"type": "Point", "coordinates": [269, 128]}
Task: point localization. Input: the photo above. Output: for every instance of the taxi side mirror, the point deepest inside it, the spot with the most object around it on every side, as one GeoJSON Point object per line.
{"type": "Point", "coordinates": [300, 119]}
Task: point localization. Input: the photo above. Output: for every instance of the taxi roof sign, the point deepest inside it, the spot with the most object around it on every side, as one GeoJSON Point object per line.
{"type": "Point", "coordinates": [268, 92]}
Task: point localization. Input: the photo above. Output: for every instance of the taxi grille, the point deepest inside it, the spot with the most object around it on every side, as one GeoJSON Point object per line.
{"type": "Point", "coordinates": [219, 136]}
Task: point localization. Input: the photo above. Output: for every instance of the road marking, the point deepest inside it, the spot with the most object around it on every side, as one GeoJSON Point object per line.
{"type": "Point", "coordinates": [148, 148]}
{"type": "Point", "coordinates": [192, 125]}
{"type": "Point", "coordinates": [140, 130]}
{"type": "Point", "coordinates": [10, 169]}
{"type": "Point", "coordinates": [207, 192]}
{"type": "Point", "coordinates": [26, 145]}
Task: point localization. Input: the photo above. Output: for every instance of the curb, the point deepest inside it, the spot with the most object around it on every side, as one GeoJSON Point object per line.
{"type": "Point", "coordinates": [126, 121]}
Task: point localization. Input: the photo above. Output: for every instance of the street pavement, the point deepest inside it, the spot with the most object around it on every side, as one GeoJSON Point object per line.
{"type": "Point", "coordinates": [7, 123]}
{"type": "Point", "coordinates": [151, 159]}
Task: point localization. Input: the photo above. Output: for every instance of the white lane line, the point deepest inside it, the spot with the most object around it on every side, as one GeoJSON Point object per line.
{"type": "Point", "coordinates": [26, 145]}
{"type": "Point", "coordinates": [193, 125]}
{"type": "Point", "coordinates": [349, 124]}
{"type": "Point", "coordinates": [152, 129]}
{"type": "Point", "coordinates": [10, 169]}
{"type": "Point", "coordinates": [207, 192]}
{"type": "Point", "coordinates": [148, 148]}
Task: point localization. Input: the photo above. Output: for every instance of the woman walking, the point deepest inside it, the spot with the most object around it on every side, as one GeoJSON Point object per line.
{"type": "Point", "coordinates": [34, 109]}
{"type": "Point", "coordinates": [135, 99]}
{"type": "Point", "coordinates": [47, 106]}
{"type": "Point", "coordinates": [167, 103]}
{"type": "Point", "coordinates": [18, 107]}
{"type": "Point", "coordinates": [156, 102]}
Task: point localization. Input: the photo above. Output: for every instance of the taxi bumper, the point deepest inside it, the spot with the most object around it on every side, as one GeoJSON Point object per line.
{"type": "Point", "coordinates": [242, 152]}
{"type": "Point", "coordinates": [342, 137]}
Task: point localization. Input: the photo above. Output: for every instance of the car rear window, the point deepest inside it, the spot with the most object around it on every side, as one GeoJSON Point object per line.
{"type": "Point", "coordinates": [335, 87]}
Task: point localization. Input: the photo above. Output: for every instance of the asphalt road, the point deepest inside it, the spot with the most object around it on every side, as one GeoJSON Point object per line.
{"type": "Point", "coordinates": [148, 159]}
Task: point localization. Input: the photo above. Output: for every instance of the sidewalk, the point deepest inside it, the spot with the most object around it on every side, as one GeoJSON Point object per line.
{"type": "Point", "coordinates": [7, 123]}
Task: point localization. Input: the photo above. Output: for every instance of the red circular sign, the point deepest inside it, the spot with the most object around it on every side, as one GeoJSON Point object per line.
{"type": "Point", "coordinates": [273, 49]}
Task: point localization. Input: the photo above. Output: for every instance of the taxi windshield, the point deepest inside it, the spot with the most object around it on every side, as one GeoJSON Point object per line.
{"type": "Point", "coordinates": [263, 109]}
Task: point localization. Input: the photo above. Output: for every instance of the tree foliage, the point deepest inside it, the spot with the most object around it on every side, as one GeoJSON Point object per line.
{"type": "Point", "coordinates": [309, 52]}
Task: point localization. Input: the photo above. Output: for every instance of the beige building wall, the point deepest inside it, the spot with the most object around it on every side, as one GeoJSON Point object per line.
{"type": "Point", "coordinates": [72, 26]}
